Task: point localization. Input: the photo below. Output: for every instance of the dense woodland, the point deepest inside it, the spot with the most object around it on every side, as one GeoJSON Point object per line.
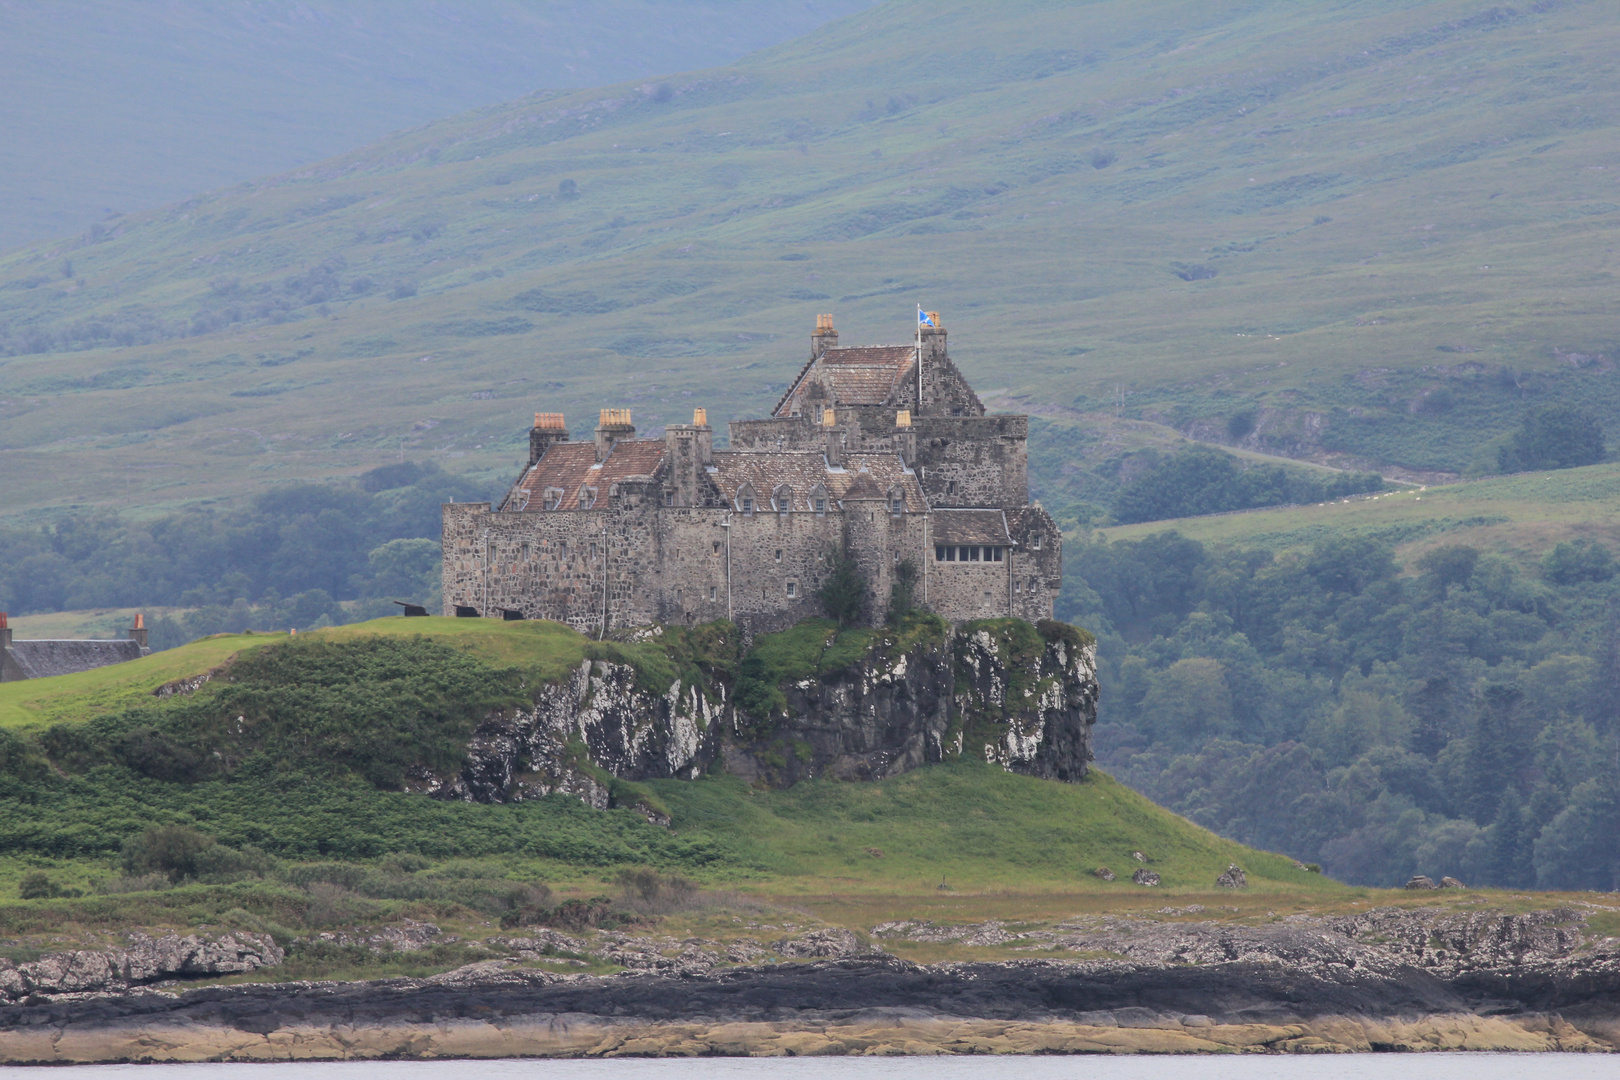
{"type": "Point", "coordinates": [1457, 715]}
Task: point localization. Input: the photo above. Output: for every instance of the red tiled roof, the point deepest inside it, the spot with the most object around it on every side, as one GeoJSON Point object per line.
{"type": "Point", "coordinates": [865, 375]}
{"type": "Point", "coordinates": [863, 476]}
{"type": "Point", "coordinates": [571, 466]}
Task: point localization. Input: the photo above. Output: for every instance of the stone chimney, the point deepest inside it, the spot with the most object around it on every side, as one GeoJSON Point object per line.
{"type": "Point", "coordinates": [137, 633]}
{"type": "Point", "coordinates": [613, 428]}
{"type": "Point", "coordinates": [548, 430]}
{"type": "Point", "coordinates": [933, 340]}
{"type": "Point", "coordinates": [905, 438]}
{"type": "Point", "coordinates": [5, 632]}
{"type": "Point", "coordinates": [690, 448]}
{"type": "Point", "coordinates": [833, 437]}
{"type": "Point", "coordinates": [824, 338]}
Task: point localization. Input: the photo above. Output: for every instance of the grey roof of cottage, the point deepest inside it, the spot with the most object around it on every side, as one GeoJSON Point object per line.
{"type": "Point", "coordinates": [44, 657]}
{"type": "Point", "coordinates": [952, 526]}
{"type": "Point", "coordinates": [860, 375]}
{"type": "Point", "coordinates": [861, 476]}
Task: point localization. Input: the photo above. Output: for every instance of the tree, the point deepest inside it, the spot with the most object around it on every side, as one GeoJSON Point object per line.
{"type": "Point", "coordinates": [1573, 562]}
{"type": "Point", "coordinates": [843, 594]}
{"type": "Point", "coordinates": [902, 591]}
{"type": "Point", "coordinates": [1452, 564]}
{"type": "Point", "coordinates": [1553, 437]}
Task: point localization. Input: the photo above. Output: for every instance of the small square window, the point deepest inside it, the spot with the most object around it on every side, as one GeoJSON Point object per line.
{"type": "Point", "coordinates": [792, 588]}
{"type": "Point", "coordinates": [713, 592]}
{"type": "Point", "coordinates": [1018, 586]}
{"type": "Point", "coordinates": [1035, 541]}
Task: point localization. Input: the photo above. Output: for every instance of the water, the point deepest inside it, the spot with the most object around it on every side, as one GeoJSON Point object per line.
{"type": "Point", "coordinates": [1322, 1067]}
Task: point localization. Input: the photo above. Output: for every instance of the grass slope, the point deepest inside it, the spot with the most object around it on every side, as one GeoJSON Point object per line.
{"type": "Point", "coordinates": [1392, 198]}
{"type": "Point", "coordinates": [1523, 515]}
{"type": "Point", "coordinates": [114, 107]}
{"type": "Point", "coordinates": [971, 825]}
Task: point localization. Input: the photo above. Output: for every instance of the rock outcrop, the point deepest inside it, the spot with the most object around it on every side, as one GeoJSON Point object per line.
{"type": "Point", "coordinates": [1386, 979]}
{"type": "Point", "coordinates": [1004, 691]}
{"type": "Point", "coordinates": [143, 960]}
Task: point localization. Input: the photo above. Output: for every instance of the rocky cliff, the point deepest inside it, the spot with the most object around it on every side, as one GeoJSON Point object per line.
{"type": "Point", "coordinates": [1006, 691]}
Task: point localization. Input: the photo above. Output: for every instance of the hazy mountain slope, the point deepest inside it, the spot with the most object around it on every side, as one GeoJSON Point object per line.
{"type": "Point", "coordinates": [1369, 182]}
{"type": "Point", "coordinates": [116, 106]}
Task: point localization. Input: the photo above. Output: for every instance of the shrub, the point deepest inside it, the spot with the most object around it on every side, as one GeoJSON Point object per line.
{"type": "Point", "coordinates": [1573, 562]}
{"type": "Point", "coordinates": [650, 893]}
{"type": "Point", "coordinates": [902, 592]}
{"type": "Point", "coordinates": [843, 595]}
{"type": "Point", "coordinates": [1553, 437]}
{"type": "Point", "coordinates": [37, 885]}
{"type": "Point", "coordinates": [166, 849]}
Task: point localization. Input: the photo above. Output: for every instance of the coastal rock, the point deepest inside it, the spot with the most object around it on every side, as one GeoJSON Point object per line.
{"type": "Point", "coordinates": [1451, 883]}
{"type": "Point", "coordinates": [1421, 881]}
{"type": "Point", "coordinates": [1233, 878]}
{"type": "Point", "coordinates": [820, 944]}
{"type": "Point", "coordinates": [143, 960]}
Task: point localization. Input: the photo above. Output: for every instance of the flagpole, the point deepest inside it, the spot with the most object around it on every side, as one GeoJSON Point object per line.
{"type": "Point", "coordinates": [919, 359]}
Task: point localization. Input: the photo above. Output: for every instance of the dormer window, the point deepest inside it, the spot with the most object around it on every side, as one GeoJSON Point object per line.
{"type": "Point", "coordinates": [818, 499]}
{"type": "Point", "coordinates": [782, 499]}
{"type": "Point", "coordinates": [897, 501]}
{"type": "Point", "coordinates": [587, 498]}
{"type": "Point", "coordinates": [554, 497]}
{"type": "Point", "coordinates": [745, 499]}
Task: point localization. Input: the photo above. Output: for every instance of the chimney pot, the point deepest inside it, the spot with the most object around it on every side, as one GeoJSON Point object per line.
{"type": "Point", "coordinates": [902, 419]}
{"type": "Point", "coordinates": [700, 417]}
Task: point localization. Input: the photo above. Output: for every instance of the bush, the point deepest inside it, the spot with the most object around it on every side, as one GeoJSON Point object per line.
{"type": "Point", "coordinates": [903, 592]}
{"type": "Point", "coordinates": [37, 885]}
{"type": "Point", "coordinates": [171, 850]}
{"type": "Point", "coordinates": [1573, 562]}
{"type": "Point", "coordinates": [843, 595]}
{"type": "Point", "coordinates": [1553, 437]}
{"type": "Point", "coordinates": [648, 892]}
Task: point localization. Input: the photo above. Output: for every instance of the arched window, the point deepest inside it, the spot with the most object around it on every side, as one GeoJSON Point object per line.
{"type": "Point", "coordinates": [745, 499]}
{"type": "Point", "coordinates": [782, 499]}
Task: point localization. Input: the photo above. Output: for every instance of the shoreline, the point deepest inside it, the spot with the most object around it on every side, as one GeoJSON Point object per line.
{"type": "Point", "coordinates": [868, 1005]}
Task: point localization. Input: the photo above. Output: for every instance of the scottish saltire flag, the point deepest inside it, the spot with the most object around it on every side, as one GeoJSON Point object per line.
{"type": "Point", "coordinates": [923, 319]}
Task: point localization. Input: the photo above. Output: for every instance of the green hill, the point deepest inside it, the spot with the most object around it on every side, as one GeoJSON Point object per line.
{"type": "Point", "coordinates": [1370, 231]}
{"type": "Point", "coordinates": [114, 108]}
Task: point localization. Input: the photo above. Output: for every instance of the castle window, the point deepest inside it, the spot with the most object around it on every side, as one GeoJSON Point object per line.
{"type": "Point", "coordinates": [782, 499]}
{"type": "Point", "coordinates": [897, 501]}
{"type": "Point", "coordinates": [792, 589]}
{"type": "Point", "coordinates": [593, 551]}
{"type": "Point", "coordinates": [950, 487]}
{"type": "Point", "coordinates": [587, 498]}
{"type": "Point", "coordinates": [528, 553]}
{"type": "Point", "coordinates": [554, 498]}
{"type": "Point", "coordinates": [717, 547]}
{"type": "Point", "coordinates": [712, 593]}
{"type": "Point", "coordinates": [973, 553]}
{"type": "Point", "coordinates": [669, 498]}
{"type": "Point", "coordinates": [778, 554]}
{"type": "Point", "coordinates": [1018, 586]}
{"type": "Point", "coordinates": [747, 505]}
{"type": "Point", "coordinates": [995, 554]}
{"type": "Point", "coordinates": [746, 499]}
{"type": "Point", "coordinates": [821, 506]}
{"type": "Point", "coordinates": [1035, 541]}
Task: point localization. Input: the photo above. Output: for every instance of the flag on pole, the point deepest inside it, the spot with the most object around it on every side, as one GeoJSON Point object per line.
{"type": "Point", "coordinates": [923, 318]}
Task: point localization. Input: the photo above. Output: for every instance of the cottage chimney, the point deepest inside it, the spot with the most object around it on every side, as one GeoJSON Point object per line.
{"type": "Point", "coordinates": [137, 633]}
{"type": "Point", "coordinates": [613, 428]}
{"type": "Point", "coordinates": [824, 338]}
{"type": "Point", "coordinates": [689, 447]}
{"type": "Point", "coordinates": [5, 632]}
{"type": "Point", "coordinates": [548, 430]}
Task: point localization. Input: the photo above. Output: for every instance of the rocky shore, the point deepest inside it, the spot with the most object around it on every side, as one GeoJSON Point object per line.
{"type": "Point", "coordinates": [1385, 979]}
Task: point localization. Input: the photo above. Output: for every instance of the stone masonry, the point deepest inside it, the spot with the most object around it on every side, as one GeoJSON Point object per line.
{"type": "Point", "coordinates": [883, 453]}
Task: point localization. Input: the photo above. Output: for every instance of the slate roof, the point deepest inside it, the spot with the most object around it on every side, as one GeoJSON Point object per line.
{"type": "Point", "coordinates": [44, 657]}
{"type": "Point", "coordinates": [951, 526]}
{"type": "Point", "coordinates": [867, 375]}
{"type": "Point", "coordinates": [862, 476]}
{"type": "Point", "coordinates": [571, 466]}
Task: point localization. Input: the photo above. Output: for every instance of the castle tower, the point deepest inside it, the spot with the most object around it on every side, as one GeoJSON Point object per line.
{"type": "Point", "coordinates": [825, 336]}
{"type": "Point", "coordinates": [690, 448]}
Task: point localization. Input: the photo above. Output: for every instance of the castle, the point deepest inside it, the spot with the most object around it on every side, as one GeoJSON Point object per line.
{"type": "Point", "coordinates": [883, 454]}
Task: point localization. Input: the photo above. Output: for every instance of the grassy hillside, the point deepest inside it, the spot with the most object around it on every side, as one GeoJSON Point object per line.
{"type": "Point", "coordinates": [1299, 221]}
{"type": "Point", "coordinates": [115, 107]}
